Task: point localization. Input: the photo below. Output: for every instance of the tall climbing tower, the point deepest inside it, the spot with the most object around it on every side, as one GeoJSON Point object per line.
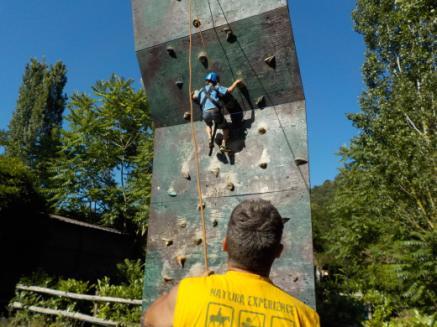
{"type": "Point", "coordinates": [247, 39]}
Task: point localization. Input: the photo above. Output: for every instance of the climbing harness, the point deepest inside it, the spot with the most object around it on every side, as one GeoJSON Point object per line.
{"type": "Point", "coordinates": [217, 106]}
{"type": "Point", "coordinates": [208, 96]}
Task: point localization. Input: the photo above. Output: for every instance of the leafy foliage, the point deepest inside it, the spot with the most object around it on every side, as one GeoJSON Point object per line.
{"type": "Point", "coordinates": [34, 130]}
{"type": "Point", "coordinates": [384, 241]}
{"type": "Point", "coordinates": [335, 308]}
{"type": "Point", "coordinates": [21, 212]}
{"type": "Point", "coordinates": [321, 197]}
{"type": "Point", "coordinates": [104, 165]}
{"type": "Point", "coordinates": [132, 274]}
{"type": "Point", "coordinates": [17, 192]}
{"type": "Point", "coordinates": [99, 169]}
{"type": "Point", "coordinates": [130, 287]}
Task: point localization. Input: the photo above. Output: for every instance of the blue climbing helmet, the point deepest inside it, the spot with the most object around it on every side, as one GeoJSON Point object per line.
{"type": "Point", "coordinates": [212, 77]}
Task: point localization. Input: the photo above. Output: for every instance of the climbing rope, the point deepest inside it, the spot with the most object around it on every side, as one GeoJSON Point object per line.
{"type": "Point", "coordinates": [195, 144]}
{"type": "Point", "coordinates": [204, 44]}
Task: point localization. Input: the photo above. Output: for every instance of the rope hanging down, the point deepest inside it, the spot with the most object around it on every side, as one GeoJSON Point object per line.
{"type": "Point", "coordinates": [195, 145]}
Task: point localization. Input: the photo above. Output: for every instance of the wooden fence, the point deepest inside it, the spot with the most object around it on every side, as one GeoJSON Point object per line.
{"type": "Point", "coordinates": [75, 296]}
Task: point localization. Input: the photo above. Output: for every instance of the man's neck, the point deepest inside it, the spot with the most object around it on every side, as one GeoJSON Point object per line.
{"type": "Point", "coordinates": [235, 267]}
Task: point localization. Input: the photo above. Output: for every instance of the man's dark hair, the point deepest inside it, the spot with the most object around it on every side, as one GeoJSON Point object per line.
{"type": "Point", "coordinates": [254, 235]}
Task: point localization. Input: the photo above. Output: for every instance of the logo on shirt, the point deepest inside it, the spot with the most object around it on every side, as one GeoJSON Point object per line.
{"type": "Point", "coordinates": [251, 319]}
{"type": "Point", "coordinates": [219, 315]}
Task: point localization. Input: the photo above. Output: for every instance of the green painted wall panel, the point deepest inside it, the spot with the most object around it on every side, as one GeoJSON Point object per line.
{"type": "Point", "coordinates": [258, 37]}
{"type": "Point", "coordinates": [159, 21]}
{"type": "Point", "coordinates": [250, 148]}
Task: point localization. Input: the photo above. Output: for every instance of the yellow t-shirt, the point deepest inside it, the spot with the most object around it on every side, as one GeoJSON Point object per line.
{"type": "Point", "coordinates": [238, 299]}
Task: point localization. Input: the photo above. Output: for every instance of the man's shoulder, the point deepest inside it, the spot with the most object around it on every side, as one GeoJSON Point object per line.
{"type": "Point", "coordinates": [298, 304]}
{"type": "Point", "coordinates": [200, 279]}
{"type": "Point", "coordinates": [197, 285]}
{"type": "Point", "coordinates": [303, 309]}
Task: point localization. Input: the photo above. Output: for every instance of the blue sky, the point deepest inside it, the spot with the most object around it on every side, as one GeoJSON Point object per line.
{"type": "Point", "coordinates": [94, 38]}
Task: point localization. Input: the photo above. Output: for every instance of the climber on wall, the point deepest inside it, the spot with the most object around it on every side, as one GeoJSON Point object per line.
{"type": "Point", "coordinates": [211, 105]}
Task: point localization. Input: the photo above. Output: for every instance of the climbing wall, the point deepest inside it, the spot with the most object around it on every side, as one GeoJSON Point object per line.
{"type": "Point", "coordinates": [244, 39]}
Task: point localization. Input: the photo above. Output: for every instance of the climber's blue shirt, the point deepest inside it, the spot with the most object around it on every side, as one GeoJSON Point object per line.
{"type": "Point", "coordinates": [215, 94]}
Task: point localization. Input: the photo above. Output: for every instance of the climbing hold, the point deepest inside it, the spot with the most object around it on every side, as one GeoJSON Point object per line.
{"type": "Point", "coordinates": [168, 242]}
{"type": "Point", "coordinates": [181, 260]}
{"type": "Point", "coordinates": [199, 206]}
{"type": "Point", "coordinates": [167, 279]}
{"type": "Point", "coordinates": [179, 84]}
{"type": "Point", "coordinates": [230, 36]}
{"type": "Point", "coordinates": [263, 165]}
{"type": "Point", "coordinates": [171, 52]}
{"type": "Point", "coordinates": [187, 116]}
{"type": "Point", "coordinates": [196, 23]}
{"type": "Point", "coordinates": [171, 192]}
{"type": "Point", "coordinates": [186, 175]}
{"type": "Point", "coordinates": [216, 171]}
{"type": "Point", "coordinates": [271, 61]}
{"type": "Point", "coordinates": [261, 101]}
{"type": "Point", "coordinates": [230, 186]}
{"type": "Point", "coordinates": [296, 279]}
{"type": "Point", "coordinates": [181, 222]}
{"type": "Point", "coordinates": [300, 161]}
{"type": "Point", "coordinates": [214, 223]}
{"type": "Point", "coordinates": [198, 241]}
{"type": "Point", "coordinates": [262, 130]}
{"type": "Point", "coordinates": [203, 58]}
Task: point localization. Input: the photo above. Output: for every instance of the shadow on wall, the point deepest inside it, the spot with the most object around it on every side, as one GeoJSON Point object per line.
{"type": "Point", "coordinates": [238, 127]}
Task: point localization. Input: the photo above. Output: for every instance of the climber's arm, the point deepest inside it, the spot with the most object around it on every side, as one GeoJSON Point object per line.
{"type": "Point", "coordinates": [234, 85]}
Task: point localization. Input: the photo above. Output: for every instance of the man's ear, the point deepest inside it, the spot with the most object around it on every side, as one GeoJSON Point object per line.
{"type": "Point", "coordinates": [225, 245]}
{"type": "Point", "coordinates": [279, 250]}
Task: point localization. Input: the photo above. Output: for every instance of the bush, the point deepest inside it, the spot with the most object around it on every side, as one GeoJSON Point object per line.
{"type": "Point", "coordinates": [21, 209]}
{"type": "Point", "coordinates": [130, 286]}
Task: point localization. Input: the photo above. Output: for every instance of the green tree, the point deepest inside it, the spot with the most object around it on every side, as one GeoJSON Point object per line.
{"type": "Point", "coordinates": [384, 207]}
{"type": "Point", "coordinates": [321, 198]}
{"type": "Point", "coordinates": [21, 213]}
{"type": "Point", "coordinates": [105, 153]}
{"type": "Point", "coordinates": [334, 307]}
{"type": "Point", "coordinates": [34, 130]}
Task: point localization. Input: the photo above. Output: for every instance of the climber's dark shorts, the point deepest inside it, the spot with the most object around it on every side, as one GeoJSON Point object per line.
{"type": "Point", "coordinates": [215, 115]}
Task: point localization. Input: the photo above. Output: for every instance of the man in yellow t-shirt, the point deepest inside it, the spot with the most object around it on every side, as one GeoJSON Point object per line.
{"type": "Point", "coordinates": [244, 296]}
